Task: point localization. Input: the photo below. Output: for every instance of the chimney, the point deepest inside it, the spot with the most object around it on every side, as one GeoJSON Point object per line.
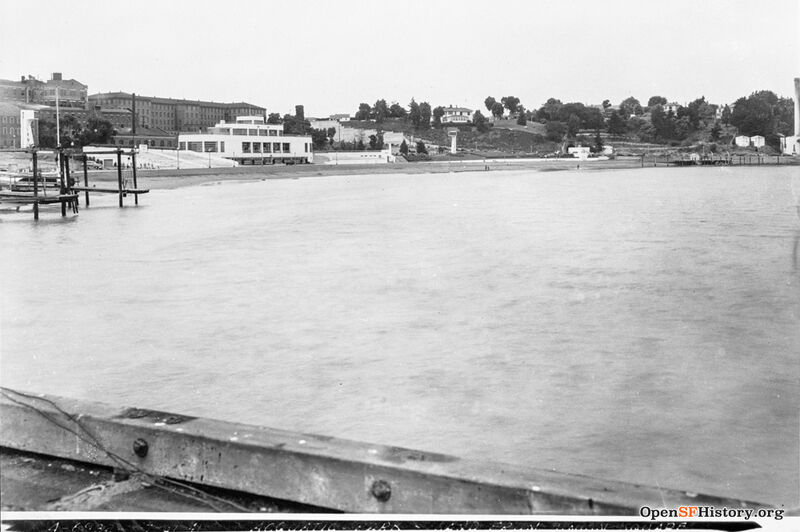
{"type": "Point", "coordinates": [56, 76]}
{"type": "Point", "coordinates": [797, 107]}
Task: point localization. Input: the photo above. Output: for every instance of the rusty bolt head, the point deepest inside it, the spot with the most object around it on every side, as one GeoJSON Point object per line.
{"type": "Point", "coordinates": [140, 448]}
{"type": "Point", "coordinates": [381, 490]}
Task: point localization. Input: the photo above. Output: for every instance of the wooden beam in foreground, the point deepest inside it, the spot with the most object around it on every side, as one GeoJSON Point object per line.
{"type": "Point", "coordinates": [311, 469]}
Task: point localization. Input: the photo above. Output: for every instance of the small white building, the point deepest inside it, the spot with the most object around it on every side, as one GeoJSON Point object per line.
{"type": "Point", "coordinates": [249, 141]}
{"type": "Point", "coordinates": [456, 115]}
{"type": "Point", "coordinates": [579, 152]}
{"type": "Point", "coordinates": [742, 141]}
{"type": "Point", "coordinates": [790, 145]}
{"type": "Point", "coordinates": [757, 141]}
{"type": "Point", "coordinates": [672, 106]}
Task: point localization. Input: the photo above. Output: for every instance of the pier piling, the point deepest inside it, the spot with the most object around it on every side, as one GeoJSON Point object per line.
{"type": "Point", "coordinates": [35, 158]}
{"type": "Point", "coordinates": [86, 176]}
{"type": "Point", "coordinates": [133, 164]}
{"type": "Point", "coordinates": [63, 187]}
{"type": "Point", "coordinates": [119, 175]}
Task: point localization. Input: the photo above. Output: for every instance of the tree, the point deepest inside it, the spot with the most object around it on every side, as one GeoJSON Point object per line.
{"type": "Point", "coordinates": [373, 142]}
{"type": "Point", "coordinates": [522, 119]}
{"type": "Point", "coordinates": [555, 130]}
{"type": "Point", "coordinates": [438, 113]}
{"type": "Point", "coordinates": [489, 103]}
{"type": "Point", "coordinates": [397, 111]}
{"type": "Point", "coordinates": [404, 147]}
{"type": "Point", "coordinates": [425, 115]}
{"type": "Point", "coordinates": [753, 115]}
{"type": "Point", "coordinates": [663, 123]}
{"type": "Point", "coordinates": [656, 100]}
{"type": "Point", "coordinates": [606, 104]}
{"type": "Point", "coordinates": [96, 131]}
{"type": "Point", "coordinates": [413, 113]}
{"type": "Point", "coordinates": [630, 106]}
{"type": "Point", "coordinates": [274, 118]}
{"type": "Point", "coordinates": [331, 132]}
{"type": "Point", "coordinates": [364, 110]}
{"type": "Point", "coordinates": [319, 138]}
{"type": "Point", "coordinates": [497, 110]}
{"type": "Point", "coordinates": [47, 133]}
{"type": "Point", "coordinates": [616, 125]}
{"type": "Point", "coordinates": [479, 121]}
{"type": "Point", "coordinates": [550, 110]}
{"type": "Point", "coordinates": [598, 142]}
{"type": "Point", "coordinates": [380, 111]}
{"type": "Point", "coordinates": [726, 115]}
{"type": "Point", "coordinates": [510, 102]}
{"type": "Point", "coordinates": [360, 145]}
{"type": "Point", "coordinates": [421, 147]}
{"type": "Point", "coordinates": [573, 125]}
{"type": "Point", "coordinates": [293, 126]}
{"type": "Point", "coordinates": [716, 130]}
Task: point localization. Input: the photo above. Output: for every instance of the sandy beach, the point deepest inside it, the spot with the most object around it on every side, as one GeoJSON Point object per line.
{"type": "Point", "coordinates": [171, 179]}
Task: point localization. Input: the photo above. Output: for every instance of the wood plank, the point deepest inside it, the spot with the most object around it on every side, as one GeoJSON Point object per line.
{"type": "Point", "coordinates": [311, 469]}
{"type": "Point", "coordinates": [112, 190]}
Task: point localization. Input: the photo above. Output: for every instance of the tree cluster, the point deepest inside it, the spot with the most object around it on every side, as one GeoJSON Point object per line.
{"type": "Point", "coordinates": [73, 133]}
{"type": "Point", "coordinates": [380, 111]}
{"type": "Point", "coordinates": [506, 103]}
{"type": "Point", "coordinates": [763, 113]}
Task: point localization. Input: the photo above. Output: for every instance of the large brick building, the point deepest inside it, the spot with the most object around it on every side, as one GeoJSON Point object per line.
{"type": "Point", "coordinates": [71, 93]}
{"type": "Point", "coordinates": [175, 115]}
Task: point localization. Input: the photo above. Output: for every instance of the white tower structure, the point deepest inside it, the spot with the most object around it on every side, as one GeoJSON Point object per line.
{"type": "Point", "coordinates": [791, 145]}
{"type": "Point", "coordinates": [453, 134]}
{"type": "Point", "coordinates": [797, 107]}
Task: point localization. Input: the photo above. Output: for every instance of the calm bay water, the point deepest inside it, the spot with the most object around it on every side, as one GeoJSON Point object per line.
{"type": "Point", "coordinates": [637, 325]}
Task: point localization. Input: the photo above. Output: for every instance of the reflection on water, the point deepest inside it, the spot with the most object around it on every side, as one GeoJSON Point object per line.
{"type": "Point", "coordinates": [637, 325]}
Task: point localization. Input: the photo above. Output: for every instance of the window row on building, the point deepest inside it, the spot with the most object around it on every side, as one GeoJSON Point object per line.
{"type": "Point", "coordinates": [247, 147]}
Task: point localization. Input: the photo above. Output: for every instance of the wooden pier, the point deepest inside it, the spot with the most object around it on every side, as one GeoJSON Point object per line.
{"type": "Point", "coordinates": [33, 191]}
{"type": "Point", "coordinates": [159, 448]}
{"type": "Point", "coordinates": [122, 190]}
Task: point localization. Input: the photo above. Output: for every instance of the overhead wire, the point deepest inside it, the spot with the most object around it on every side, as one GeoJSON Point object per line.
{"type": "Point", "coordinates": [158, 481]}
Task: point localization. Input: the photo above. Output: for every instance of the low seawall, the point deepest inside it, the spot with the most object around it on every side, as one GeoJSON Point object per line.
{"type": "Point", "coordinates": [311, 469]}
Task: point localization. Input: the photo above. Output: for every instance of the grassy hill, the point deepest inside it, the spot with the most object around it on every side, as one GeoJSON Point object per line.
{"type": "Point", "coordinates": [506, 137]}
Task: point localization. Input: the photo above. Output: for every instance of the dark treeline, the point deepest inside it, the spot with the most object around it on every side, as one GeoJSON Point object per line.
{"type": "Point", "coordinates": [75, 134]}
{"type": "Point", "coordinates": [761, 113]}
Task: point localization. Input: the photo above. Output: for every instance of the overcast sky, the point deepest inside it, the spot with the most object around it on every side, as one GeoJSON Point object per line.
{"type": "Point", "coordinates": [331, 55]}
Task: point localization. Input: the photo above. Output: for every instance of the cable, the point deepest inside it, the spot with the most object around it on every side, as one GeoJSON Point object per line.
{"type": "Point", "coordinates": [156, 480]}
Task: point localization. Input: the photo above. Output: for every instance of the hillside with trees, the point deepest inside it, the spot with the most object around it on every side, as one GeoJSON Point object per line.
{"type": "Point", "coordinates": [510, 127]}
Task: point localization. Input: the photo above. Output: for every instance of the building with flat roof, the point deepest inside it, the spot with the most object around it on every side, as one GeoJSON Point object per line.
{"type": "Point", "coordinates": [175, 115]}
{"type": "Point", "coordinates": [249, 140]}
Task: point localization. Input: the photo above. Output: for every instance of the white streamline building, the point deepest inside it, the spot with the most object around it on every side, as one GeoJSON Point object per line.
{"type": "Point", "coordinates": [249, 141]}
